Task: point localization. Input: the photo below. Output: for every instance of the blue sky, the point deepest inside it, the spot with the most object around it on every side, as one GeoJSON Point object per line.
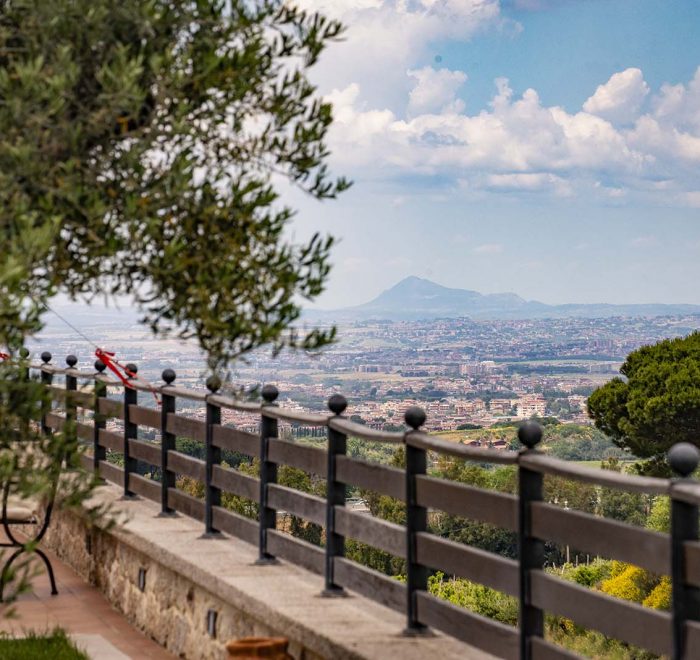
{"type": "Point", "coordinates": [546, 147]}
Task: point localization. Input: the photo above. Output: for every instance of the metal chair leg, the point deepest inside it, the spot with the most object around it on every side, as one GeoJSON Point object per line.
{"type": "Point", "coordinates": [49, 570]}
{"type": "Point", "coordinates": [6, 571]}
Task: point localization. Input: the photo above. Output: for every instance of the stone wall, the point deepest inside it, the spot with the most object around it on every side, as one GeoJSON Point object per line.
{"type": "Point", "coordinates": [186, 575]}
{"type": "Point", "coordinates": [171, 609]}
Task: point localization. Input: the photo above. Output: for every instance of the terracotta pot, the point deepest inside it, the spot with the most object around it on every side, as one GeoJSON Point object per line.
{"type": "Point", "coordinates": [274, 648]}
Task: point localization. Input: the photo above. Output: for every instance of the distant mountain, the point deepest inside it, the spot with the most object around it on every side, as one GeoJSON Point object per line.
{"type": "Point", "coordinates": [415, 298]}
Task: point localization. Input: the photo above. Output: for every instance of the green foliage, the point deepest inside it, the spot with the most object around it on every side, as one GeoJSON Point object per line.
{"type": "Point", "coordinates": [35, 468]}
{"type": "Point", "coordinates": [659, 402]}
{"type": "Point", "coordinates": [140, 148]}
{"type": "Point", "coordinates": [475, 597]}
{"type": "Point", "coordinates": [37, 646]}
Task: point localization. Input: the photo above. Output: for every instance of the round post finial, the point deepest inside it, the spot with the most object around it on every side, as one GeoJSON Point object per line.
{"type": "Point", "coordinates": [24, 352]}
{"type": "Point", "coordinates": [213, 384]}
{"type": "Point", "coordinates": [270, 393]}
{"type": "Point", "coordinates": [46, 357]}
{"type": "Point", "coordinates": [337, 404]}
{"type": "Point", "coordinates": [168, 376]}
{"type": "Point", "coordinates": [530, 434]}
{"type": "Point", "coordinates": [100, 366]}
{"type": "Point", "coordinates": [683, 458]}
{"type": "Point", "coordinates": [414, 417]}
{"type": "Point", "coordinates": [71, 361]}
{"type": "Point", "coordinates": [132, 368]}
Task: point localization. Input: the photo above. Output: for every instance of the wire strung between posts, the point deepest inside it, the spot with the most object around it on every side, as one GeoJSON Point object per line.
{"type": "Point", "coordinates": [107, 358]}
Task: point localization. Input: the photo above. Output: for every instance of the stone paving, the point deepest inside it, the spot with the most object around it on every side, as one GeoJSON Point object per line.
{"type": "Point", "coordinates": [85, 614]}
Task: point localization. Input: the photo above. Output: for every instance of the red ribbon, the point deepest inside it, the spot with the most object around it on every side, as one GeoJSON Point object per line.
{"type": "Point", "coordinates": [4, 356]}
{"type": "Point", "coordinates": [114, 366]}
{"type": "Point", "coordinates": [111, 364]}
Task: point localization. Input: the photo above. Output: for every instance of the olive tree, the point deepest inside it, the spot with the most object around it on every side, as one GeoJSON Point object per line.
{"type": "Point", "coordinates": [143, 148]}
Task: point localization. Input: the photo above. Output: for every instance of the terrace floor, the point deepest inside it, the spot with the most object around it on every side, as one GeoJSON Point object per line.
{"type": "Point", "coordinates": [84, 614]}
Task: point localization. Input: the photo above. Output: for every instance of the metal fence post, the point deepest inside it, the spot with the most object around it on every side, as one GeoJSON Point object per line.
{"type": "Point", "coordinates": [131, 432]}
{"type": "Point", "coordinates": [416, 521]}
{"type": "Point", "coordinates": [70, 434]}
{"type": "Point", "coordinates": [268, 475]}
{"type": "Point", "coordinates": [335, 496]}
{"type": "Point", "coordinates": [167, 443]}
{"type": "Point", "coordinates": [212, 495]}
{"type": "Point", "coordinates": [99, 453]}
{"type": "Point", "coordinates": [46, 379]}
{"type": "Point", "coordinates": [683, 459]}
{"type": "Point", "coordinates": [530, 549]}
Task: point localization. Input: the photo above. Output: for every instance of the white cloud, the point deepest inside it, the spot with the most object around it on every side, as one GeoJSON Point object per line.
{"type": "Point", "coordinates": [519, 144]}
{"type": "Point", "coordinates": [643, 241]}
{"type": "Point", "coordinates": [435, 90]}
{"type": "Point", "coordinates": [619, 99]}
{"type": "Point", "coordinates": [397, 117]}
{"type": "Point", "coordinates": [488, 248]}
{"type": "Point", "coordinates": [386, 38]}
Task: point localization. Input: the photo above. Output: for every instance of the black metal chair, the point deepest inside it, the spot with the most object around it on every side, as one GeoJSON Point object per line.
{"type": "Point", "coordinates": [24, 512]}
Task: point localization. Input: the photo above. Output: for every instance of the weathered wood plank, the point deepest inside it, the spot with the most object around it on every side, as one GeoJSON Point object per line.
{"type": "Point", "coordinates": [608, 478]}
{"type": "Point", "coordinates": [296, 551]}
{"type": "Point", "coordinates": [183, 464]}
{"type": "Point", "coordinates": [232, 439]}
{"type": "Point", "coordinates": [235, 482]}
{"type": "Point", "coordinates": [112, 473]}
{"type": "Point", "coordinates": [307, 506]}
{"type": "Point", "coordinates": [55, 421]}
{"type": "Point", "coordinates": [186, 504]}
{"type": "Point", "coordinates": [145, 451]}
{"type": "Point", "coordinates": [235, 524]}
{"type": "Point", "coordinates": [373, 476]}
{"type": "Point", "coordinates": [310, 459]}
{"type": "Point", "coordinates": [465, 561]}
{"type": "Point", "coordinates": [601, 536]}
{"type": "Point", "coordinates": [500, 509]}
{"type": "Point", "coordinates": [691, 550]}
{"type": "Point", "coordinates": [378, 533]}
{"type": "Point", "coordinates": [110, 408]}
{"type": "Point", "coordinates": [629, 622]}
{"type": "Point", "coordinates": [186, 426]}
{"type": "Point", "coordinates": [370, 583]}
{"type": "Point", "coordinates": [491, 636]}
{"type": "Point", "coordinates": [111, 440]}
{"type": "Point", "coordinates": [144, 416]}
{"type": "Point", "coordinates": [146, 487]}
{"type": "Point", "coordinates": [84, 431]}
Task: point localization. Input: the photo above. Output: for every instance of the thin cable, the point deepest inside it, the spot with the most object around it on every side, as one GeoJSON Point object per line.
{"type": "Point", "coordinates": [70, 325]}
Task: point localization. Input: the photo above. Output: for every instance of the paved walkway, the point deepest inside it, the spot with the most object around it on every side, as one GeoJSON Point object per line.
{"type": "Point", "coordinates": [85, 614]}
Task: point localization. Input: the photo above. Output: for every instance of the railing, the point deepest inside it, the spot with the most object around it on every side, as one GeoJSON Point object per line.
{"type": "Point", "coordinates": [675, 633]}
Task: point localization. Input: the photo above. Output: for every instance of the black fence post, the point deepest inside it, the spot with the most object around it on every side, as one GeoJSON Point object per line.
{"type": "Point", "coordinates": [335, 496]}
{"type": "Point", "coordinates": [167, 443]}
{"type": "Point", "coordinates": [131, 432]}
{"type": "Point", "coordinates": [99, 453]}
{"type": "Point", "coordinates": [268, 474]}
{"type": "Point", "coordinates": [530, 549]}
{"type": "Point", "coordinates": [46, 379]}
{"type": "Point", "coordinates": [70, 431]}
{"type": "Point", "coordinates": [416, 522]}
{"type": "Point", "coordinates": [683, 459]}
{"type": "Point", "coordinates": [212, 495]}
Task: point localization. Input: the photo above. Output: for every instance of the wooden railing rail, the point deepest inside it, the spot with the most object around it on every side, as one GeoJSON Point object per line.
{"type": "Point", "coordinates": [675, 633]}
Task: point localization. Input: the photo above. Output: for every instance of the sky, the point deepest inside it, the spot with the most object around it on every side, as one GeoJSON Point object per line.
{"type": "Point", "coordinates": [546, 147]}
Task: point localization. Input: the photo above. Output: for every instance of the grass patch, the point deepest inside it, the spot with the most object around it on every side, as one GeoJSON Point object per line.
{"type": "Point", "coordinates": [48, 646]}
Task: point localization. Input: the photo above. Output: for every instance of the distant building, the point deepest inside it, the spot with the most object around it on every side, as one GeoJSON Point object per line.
{"type": "Point", "coordinates": [531, 405]}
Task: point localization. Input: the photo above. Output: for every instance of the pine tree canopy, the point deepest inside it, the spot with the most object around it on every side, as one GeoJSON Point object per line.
{"type": "Point", "coordinates": [657, 404]}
